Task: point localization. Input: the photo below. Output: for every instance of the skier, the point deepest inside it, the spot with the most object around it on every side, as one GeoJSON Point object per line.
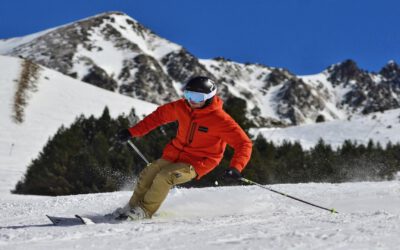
{"type": "Point", "coordinates": [198, 147]}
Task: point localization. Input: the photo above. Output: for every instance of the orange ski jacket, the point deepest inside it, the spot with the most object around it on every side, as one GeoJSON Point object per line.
{"type": "Point", "coordinates": [201, 137]}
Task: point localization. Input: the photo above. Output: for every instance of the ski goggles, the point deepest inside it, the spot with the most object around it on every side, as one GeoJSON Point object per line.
{"type": "Point", "coordinates": [197, 96]}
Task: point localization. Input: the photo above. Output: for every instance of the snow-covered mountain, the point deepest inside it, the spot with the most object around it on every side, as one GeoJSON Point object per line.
{"type": "Point", "coordinates": [115, 52]}
{"type": "Point", "coordinates": [341, 91]}
{"type": "Point", "coordinates": [54, 100]}
{"type": "Point", "coordinates": [112, 51]}
{"type": "Point", "coordinates": [382, 127]}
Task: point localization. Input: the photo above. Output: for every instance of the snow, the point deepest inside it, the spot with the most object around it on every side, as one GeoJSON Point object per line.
{"type": "Point", "coordinates": [9, 44]}
{"type": "Point", "coordinates": [333, 96]}
{"type": "Point", "coordinates": [59, 99]}
{"type": "Point", "coordinates": [242, 217]}
{"type": "Point", "coordinates": [270, 104]}
{"type": "Point", "coordinates": [148, 42]}
{"type": "Point", "coordinates": [109, 58]}
{"type": "Point", "coordinates": [380, 127]}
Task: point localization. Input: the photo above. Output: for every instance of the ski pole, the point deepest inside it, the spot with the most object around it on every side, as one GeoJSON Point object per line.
{"type": "Point", "coordinates": [138, 152]}
{"type": "Point", "coordinates": [332, 210]}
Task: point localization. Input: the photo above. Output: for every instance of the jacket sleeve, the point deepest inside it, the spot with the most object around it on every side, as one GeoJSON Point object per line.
{"type": "Point", "coordinates": [162, 115]}
{"type": "Point", "coordinates": [234, 135]}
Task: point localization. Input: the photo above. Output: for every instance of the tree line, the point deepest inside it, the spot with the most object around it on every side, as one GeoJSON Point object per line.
{"type": "Point", "coordinates": [85, 158]}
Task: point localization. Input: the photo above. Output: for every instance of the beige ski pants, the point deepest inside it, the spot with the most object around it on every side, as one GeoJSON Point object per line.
{"type": "Point", "coordinates": [156, 180]}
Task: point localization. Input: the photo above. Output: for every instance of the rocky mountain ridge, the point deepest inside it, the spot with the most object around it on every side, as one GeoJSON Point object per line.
{"type": "Point", "coordinates": [117, 53]}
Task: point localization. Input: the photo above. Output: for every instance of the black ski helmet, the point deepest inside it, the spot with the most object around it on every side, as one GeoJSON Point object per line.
{"type": "Point", "coordinates": [204, 85]}
{"type": "Point", "coordinates": [200, 84]}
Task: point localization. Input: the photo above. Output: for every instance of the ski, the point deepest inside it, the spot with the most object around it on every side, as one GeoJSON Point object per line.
{"type": "Point", "coordinates": [82, 220]}
{"type": "Point", "coordinates": [70, 221]}
{"type": "Point", "coordinates": [65, 221]}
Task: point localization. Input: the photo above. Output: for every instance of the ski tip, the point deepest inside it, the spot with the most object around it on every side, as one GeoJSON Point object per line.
{"type": "Point", "coordinates": [49, 217]}
{"type": "Point", "coordinates": [84, 220]}
{"type": "Point", "coordinates": [53, 219]}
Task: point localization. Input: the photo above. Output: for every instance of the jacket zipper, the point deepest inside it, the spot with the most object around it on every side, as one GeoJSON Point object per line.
{"type": "Point", "coordinates": [192, 131]}
{"type": "Point", "coordinates": [189, 137]}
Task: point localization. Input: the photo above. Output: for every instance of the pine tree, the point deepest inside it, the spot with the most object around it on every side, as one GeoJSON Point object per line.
{"type": "Point", "coordinates": [320, 167]}
{"type": "Point", "coordinates": [237, 109]}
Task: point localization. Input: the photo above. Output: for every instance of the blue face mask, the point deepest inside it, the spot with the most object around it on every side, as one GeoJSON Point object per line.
{"type": "Point", "coordinates": [197, 96]}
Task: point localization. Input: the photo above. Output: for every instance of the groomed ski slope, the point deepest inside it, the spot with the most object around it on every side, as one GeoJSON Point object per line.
{"type": "Point", "coordinates": [241, 217]}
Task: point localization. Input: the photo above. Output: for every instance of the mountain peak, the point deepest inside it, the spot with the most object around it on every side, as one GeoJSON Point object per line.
{"type": "Point", "coordinates": [345, 71]}
{"type": "Point", "coordinates": [390, 69]}
{"type": "Point", "coordinates": [108, 14]}
{"type": "Point", "coordinates": [110, 50]}
{"type": "Point", "coordinates": [348, 67]}
{"type": "Point", "coordinates": [391, 62]}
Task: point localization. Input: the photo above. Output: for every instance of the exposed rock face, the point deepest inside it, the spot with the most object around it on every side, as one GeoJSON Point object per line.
{"type": "Point", "coordinates": [97, 76]}
{"type": "Point", "coordinates": [181, 66]}
{"type": "Point", "coordinates": [297, 101]}
{"type": "Point", "coordinates": [117, 53]}
{"type": "Point", "coordinates": [144, 78]}
{"type": "Point", "coordinates": [368, 92]}
{"type": "Point", "coordinates": [111, 51]}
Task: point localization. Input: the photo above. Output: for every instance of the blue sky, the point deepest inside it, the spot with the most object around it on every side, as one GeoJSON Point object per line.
{"type": "Point", "coordinates": [304, 36]}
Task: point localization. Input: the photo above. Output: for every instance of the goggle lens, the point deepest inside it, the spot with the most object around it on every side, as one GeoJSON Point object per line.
{"type": "Point", "coordinates": [194, 96]}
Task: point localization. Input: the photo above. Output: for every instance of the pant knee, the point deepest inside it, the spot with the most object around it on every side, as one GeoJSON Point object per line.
{"type": "Point", "coordinates": [163, 177]}
{"type": "Point", "coordinates": [174, 177]}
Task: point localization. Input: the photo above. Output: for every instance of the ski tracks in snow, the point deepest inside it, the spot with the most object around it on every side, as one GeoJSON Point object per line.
{"type": "Point", "coordinates": [215, 218]}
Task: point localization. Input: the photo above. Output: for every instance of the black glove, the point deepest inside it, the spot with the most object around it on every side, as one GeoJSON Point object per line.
{"type": "Point", "coordinates": [123, 135]}
{"type": "Point", "coordinates": [232, 173]}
